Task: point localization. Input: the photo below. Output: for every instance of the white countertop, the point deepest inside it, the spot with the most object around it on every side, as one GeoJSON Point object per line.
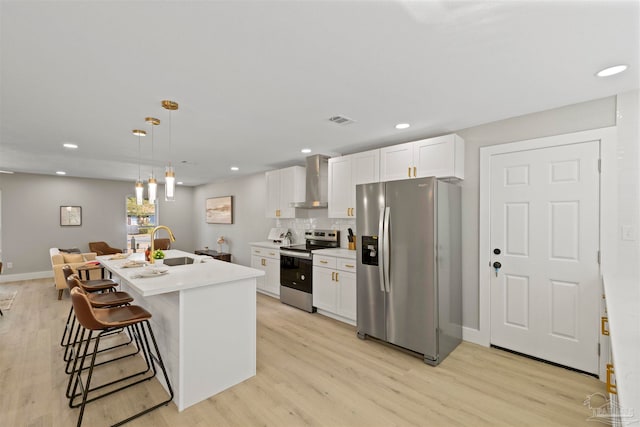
{"type": "Point", "coordinates": [267, 244]}
{"type": "Point", "coordinates": [179, 277]}
{"type": "Point", "coordinates": [623, 310]}
{"type": "Point", "coordinates": [336, 252]}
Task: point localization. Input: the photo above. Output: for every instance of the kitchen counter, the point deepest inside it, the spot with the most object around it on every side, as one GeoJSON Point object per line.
{"type": "Point", "coordinates": [267, 244]}
{"type": "Point", "coordinates": [336, 252]}
{"type": "Point", "coordinates": [204, 319]}
{"type": "Point", "coordinates": [205, 271]}
{"type": "Point", "coordinates": [623, 300]}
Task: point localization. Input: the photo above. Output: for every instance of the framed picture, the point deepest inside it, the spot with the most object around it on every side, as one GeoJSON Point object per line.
{"type": "Point", "coordinates": [70, 215]}
{"type": "Point", "coordinates": [219, 210]}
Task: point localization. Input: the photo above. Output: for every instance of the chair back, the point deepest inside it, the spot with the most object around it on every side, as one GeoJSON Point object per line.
{"type": "Point", "coordinates": [84, 311]}
{"type": "Point", "coordinates": [73, 282]}
{"type": "Point", "coordinates": [67, 271]}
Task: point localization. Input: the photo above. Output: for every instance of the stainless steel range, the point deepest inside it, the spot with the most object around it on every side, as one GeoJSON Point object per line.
{"type": "Point", "coordinates": [296, 267]}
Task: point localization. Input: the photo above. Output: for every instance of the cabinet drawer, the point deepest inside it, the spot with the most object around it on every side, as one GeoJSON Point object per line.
{"type": "Point", "coordinates": [265, 252]}
{"type": "Point", "coordinates": [324, 261]}
{"type": "Point", "coordinates": [346, 265]}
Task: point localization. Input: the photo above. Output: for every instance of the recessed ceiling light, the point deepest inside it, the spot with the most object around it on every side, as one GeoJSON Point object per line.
{"type": "Point", "coordinates": [402, 125]}
{"type": "Point", "coordinates": [235, 168]}
{"type": "Point", "coordinates": [179, 183]}
{"type": "Point", "coordinates": [61, 173]}
{"type": "Point", "coordinates": [305, 150]}
{"type": "Point", "coordinates": [7, 172]}
{"type": "Point", "coordinates": [69, 145]}
{"type": "Point", "coordinates": [610, 71]}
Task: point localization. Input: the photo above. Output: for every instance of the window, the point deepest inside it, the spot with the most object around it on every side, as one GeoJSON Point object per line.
{"type": "Point", "coordinates": [140, 221]}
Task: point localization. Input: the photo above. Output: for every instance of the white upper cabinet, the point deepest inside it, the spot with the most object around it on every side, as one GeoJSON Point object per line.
{"type": "Point", "coordinates": [344, 174]}
{"type": "Point", "coordinates": [442, 157]}
{"type": "Point", "coordinates": [284, 186]}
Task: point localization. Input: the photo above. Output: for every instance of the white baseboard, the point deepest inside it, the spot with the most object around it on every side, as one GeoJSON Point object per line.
{"type": "Point", "coordinates": [474, 336]}
{"type": "Point", "coordinates": [4, 278]}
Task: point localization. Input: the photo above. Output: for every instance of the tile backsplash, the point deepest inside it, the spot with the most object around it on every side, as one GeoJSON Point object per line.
{"type": "Point", "coordinates": [317, 219]}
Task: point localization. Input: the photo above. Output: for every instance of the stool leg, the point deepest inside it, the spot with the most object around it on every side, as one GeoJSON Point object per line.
{"type": "Point", "coordinates": [66, 326]}
{"type": "Point", "coordinates": [157, 358]}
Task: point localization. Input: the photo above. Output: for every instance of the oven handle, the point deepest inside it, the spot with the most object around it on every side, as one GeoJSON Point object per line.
{"type": "Point", "coordinates": [301, 255]}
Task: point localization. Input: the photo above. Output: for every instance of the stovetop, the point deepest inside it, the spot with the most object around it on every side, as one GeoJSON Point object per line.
{"type": "Point", "coordinates": [316, 239]}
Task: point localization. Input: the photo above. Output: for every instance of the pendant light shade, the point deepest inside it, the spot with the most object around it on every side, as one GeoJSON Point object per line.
{"type": "Point", "coordinates": [152, 189]}
{"type": "Point", "coordinates": [169, 184]}
{"type": "Point", "coordinates": [139, 192]}
{"type": "Point", "coordinates": [170, 174]}
{"type": "Point", "coordinates": [139, 186]}
{"type": "Point", "coordinates": [152, 184]}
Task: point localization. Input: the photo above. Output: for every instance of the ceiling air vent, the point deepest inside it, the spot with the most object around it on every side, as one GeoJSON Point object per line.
{"type": "Point", "coordinates": [341, 120]}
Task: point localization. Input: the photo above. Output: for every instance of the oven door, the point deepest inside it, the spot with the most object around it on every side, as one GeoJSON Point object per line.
{"type": "Point", "coordinates": [296, 271]}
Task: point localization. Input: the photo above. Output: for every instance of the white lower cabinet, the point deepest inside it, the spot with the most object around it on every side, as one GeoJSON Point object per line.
{"type": "Point", "coordinates": [267, 260]}
{"type": "Point", "coordinates": [334, 287]}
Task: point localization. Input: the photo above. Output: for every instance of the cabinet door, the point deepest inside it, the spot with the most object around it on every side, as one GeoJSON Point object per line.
{"type": "Point", "coordinates": [324, 289]}
{"type": "Point", "coordinates": [341, 191]}
{"type": "Point", "coordinates": [365, 168]}
{"type": "Point", "coordinates": [273, 194]}
{"type": "Point", "coordinates": [442, 157]}
{"type": "Point", "coordinates": [256, 262]}
{"type": "Point", "coordinates": [396, 162]}
{"type": "Point", "coordinates": [292, 189]}
{"type": "Point", "coordinates": [272, 276]}
{"type": "Point", "coordinates": [347, 295]}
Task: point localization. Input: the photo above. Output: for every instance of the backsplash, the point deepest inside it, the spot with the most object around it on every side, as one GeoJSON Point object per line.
{"type": "Point", "coordinates": [297, 226]}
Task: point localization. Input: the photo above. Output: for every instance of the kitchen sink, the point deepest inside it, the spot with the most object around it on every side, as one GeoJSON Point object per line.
{"type": "Point", "coordinates": [178, 261]}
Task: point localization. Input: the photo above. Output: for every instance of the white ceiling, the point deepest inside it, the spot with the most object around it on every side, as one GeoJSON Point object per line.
{"type": "Point", "coordinates": [257, 81]}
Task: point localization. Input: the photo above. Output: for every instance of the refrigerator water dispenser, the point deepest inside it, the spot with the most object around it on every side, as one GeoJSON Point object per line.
{"type": "Point", "coordinates": [369, 250]}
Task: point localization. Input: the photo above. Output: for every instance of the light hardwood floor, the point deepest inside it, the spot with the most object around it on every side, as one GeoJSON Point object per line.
{"type": "Point", "coordinates": [311, 370]}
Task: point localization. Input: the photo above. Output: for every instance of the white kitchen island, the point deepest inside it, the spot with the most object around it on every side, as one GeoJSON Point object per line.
{"type": "Point", "coordinates": [204, 319]}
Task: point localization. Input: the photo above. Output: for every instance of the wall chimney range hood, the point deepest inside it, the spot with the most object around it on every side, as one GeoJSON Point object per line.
{"type": "Point", "coordinates": [317, 183]}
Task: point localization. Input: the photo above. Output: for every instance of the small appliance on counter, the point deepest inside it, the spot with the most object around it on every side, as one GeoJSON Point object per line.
{"type": "Point", "coordinates": [296, 268]}
{"type": "Point", "coordinates": [277, 234]}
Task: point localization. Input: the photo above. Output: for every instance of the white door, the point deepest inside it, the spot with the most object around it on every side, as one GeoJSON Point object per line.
{"type": "Point", "coordinates": [545, 222]}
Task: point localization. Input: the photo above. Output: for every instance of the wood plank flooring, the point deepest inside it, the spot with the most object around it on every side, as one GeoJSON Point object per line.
{"type": "Point", "coordinates": [312, 371]}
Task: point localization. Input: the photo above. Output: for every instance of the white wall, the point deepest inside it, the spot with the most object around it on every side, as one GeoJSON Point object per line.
{"type": "Point", "coordinates": [31, 220]}
{"type": "Point", "coordinates": [249, 222]}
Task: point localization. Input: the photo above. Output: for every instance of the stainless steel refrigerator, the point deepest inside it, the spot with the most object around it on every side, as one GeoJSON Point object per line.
{"type": "Point", "coordinates": [409, 279]}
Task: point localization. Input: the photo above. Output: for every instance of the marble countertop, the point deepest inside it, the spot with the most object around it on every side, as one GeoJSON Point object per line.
{"type": "Point", "coordinates": [336, 252]}
{"type": "Point", "coordinates": [623, 300]}
{"type": "Point", "coordinates": [205, 271]}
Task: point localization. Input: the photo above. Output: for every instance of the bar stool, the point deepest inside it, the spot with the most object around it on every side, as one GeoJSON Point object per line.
{"type": "Point", "coordinates": [98, 300]}
{"type": "Point", "coordinates": [98, 322]}
{"type": "Point", "coordinates": [98, 285]}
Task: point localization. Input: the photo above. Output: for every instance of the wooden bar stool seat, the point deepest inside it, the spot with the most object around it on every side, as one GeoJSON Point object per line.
{"type": "Point", "coordinates": [98, 322]}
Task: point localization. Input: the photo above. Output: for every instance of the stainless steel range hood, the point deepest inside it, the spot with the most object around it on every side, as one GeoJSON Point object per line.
{"type": "Point", "coordinates": [317, 183]}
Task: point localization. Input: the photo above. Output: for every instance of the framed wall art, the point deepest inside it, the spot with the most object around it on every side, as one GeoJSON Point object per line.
{"type": "Point", "coordinates": [219, 210]}
{"type": "Point", "coordinates": [70, 215]}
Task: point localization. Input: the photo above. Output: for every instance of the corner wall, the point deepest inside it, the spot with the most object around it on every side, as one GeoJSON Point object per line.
{"type": "Point", "coordinates": [31, 219]}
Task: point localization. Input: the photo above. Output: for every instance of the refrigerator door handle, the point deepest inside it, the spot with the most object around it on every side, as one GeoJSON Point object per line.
{"type": "Point", "coordinates": [385, 255]}
{"type": "Point", "coordinates": [381, 248]}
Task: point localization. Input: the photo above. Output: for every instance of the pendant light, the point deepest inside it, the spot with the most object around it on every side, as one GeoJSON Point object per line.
{"type": "Point", "coordinates": [139, 185]}
{"type": "Point", "coordinates": [152, 184]}
{"type": "Point", "coordinates": [169, 174]}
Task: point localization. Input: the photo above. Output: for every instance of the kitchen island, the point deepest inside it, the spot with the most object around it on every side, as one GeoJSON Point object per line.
{"type": "Point", "coordinates": [204, 319]}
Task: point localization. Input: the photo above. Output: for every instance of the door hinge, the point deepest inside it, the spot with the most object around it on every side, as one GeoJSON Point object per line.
{"type": "Point", "coordinates": [598, 257]}
{"type": "Point", "coordinates": [599, 165]}
{"type": "Point", "coordinates": [598, 349]}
